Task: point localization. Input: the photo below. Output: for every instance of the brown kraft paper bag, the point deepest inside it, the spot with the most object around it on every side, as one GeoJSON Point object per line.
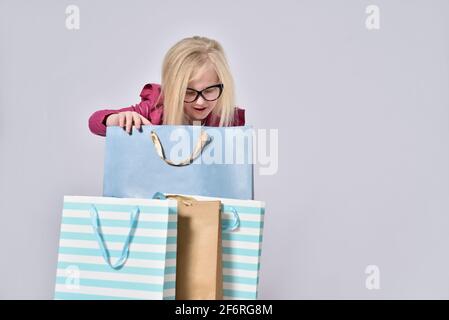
{"type": "Point", "coordinates": [198, 260]}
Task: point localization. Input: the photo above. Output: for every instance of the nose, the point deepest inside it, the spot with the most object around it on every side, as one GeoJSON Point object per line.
{"type": "Point", "coordinates": [200, 100]}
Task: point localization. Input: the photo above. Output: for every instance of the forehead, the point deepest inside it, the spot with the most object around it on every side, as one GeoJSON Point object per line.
{"type": "Point", "coordinates": [203, 77]}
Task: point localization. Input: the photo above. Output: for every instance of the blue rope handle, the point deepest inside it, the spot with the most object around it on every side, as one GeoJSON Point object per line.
{"type": "Point", "coordinates": [234, 224]}
{"type": "Point", "coordinates": [104, 251]}
{"type": "Point", "coordinates": [225, 227]}
{"type": "Point", "coordinates": [160, 196]}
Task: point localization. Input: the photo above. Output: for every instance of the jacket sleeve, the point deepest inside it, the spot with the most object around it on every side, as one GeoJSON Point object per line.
{"type": "Point", "coordinates": [239, 117]}
{"type": "Point", "coordinates": [97, 121]}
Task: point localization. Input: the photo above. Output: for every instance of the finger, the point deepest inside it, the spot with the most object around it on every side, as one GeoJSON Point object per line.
{"type": "Point", "coordinates": [137, 121]}
{"type": "Point", "coordinates": [145, 121]}
{"type": "Point", "coordinates": [121, 120]}
{"type": "Point", "coordinates": [129, 122]}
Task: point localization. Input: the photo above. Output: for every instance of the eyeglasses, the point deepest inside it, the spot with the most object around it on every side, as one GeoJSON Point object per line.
{"type": "Point", "coordinates": [210, 93]}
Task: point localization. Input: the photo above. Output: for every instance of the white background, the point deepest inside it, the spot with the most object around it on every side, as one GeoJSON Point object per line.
{"type": "Point", "coordinates": [362, 116]}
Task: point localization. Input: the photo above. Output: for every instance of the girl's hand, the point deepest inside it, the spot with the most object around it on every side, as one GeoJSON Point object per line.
{"type": "Point", "coordinates": [126, 120]}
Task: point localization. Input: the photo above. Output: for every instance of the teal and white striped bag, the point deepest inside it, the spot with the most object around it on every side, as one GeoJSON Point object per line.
{"type": "Point", "coordinates": [117, 248]}
{"type": "Point", "coordinates": [241, 246]}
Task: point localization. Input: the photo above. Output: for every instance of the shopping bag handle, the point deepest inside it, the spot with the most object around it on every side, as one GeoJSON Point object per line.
{"type": "Point", "coordinates": [235, 222]}
{"type": "Point", "coordinates": [104, 251]}
{"type": "Point", "coordinates": [225, 227]}
{"type": "Point", "coordinates": [203, 141]}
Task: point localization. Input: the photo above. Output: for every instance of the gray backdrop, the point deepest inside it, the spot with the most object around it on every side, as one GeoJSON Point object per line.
{"type": "Point", "coordinates": [362, 116]}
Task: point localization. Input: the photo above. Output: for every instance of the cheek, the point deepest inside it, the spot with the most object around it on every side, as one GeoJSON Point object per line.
{"type": "Point", "coordinates": [212, 104]}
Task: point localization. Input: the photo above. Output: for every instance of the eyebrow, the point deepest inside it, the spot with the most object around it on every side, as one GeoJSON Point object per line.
{"type": "Point", "coordinates": [212, 85]}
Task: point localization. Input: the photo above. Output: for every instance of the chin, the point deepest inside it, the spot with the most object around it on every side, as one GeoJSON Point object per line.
{"type": "Point", "coordinates": [202, 118]}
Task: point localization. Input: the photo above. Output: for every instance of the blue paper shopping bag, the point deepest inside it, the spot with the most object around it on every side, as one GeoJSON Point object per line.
{"type": "Point", "coordinates": [196, 160]}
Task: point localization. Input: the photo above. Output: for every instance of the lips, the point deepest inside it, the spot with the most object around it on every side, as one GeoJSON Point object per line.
{"type": "Point", "coordinates": [200, 108]}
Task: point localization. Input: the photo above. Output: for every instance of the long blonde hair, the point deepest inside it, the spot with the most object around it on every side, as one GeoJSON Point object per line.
{"type": "Point", "coordinates": [181, 62]}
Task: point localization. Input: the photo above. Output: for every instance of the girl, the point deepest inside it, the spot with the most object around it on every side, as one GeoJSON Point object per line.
{"type": "Point", "coordinates": [197, 87]}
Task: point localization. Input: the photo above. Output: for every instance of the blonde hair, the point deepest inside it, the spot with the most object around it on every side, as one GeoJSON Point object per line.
{"type": "Point", "coordinates": [184, 60]}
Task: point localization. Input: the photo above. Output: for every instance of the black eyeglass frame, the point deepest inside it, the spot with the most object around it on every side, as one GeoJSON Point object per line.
{"type": "Point", "coordinates": [200, 93]}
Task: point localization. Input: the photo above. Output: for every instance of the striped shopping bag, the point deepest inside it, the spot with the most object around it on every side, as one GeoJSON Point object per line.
{"type": "Point", "coordinates": [243, 222]}
{"type": "Point", "coordinates": [117, 248]}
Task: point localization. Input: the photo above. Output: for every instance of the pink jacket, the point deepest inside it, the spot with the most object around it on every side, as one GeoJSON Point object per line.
{"type": "Point", "coordinates": [152, 111]}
